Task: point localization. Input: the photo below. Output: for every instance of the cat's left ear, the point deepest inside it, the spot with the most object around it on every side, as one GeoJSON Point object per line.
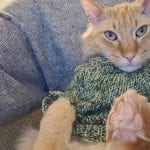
{"type": "Point", "coordinates": [145, 5]}
{"type": "Point", "coordinates": [94, 11]}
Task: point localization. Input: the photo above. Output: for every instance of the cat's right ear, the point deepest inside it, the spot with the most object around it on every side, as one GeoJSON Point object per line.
{"type": "Point", "coordinates": [93, 11]}
{"type": "Point", "coordinates": [145, 5]}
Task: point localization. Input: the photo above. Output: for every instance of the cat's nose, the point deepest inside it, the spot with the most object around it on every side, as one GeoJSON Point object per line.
{"type": "Point", "coordinates": [130, 58]}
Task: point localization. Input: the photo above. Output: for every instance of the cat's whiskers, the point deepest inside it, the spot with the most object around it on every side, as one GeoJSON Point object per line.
{"type": "Point", "coordinates": [145, 55]}
{"type": "Point", "coordinates": [113, 58]}
{"type": "Point", "coordinates": [107, 58]}
{"type": "Point", "coordinates": [144, 58]}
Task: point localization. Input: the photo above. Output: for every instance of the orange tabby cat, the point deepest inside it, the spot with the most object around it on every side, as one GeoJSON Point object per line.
{"type": "Point", "coordinates": [121, 34]}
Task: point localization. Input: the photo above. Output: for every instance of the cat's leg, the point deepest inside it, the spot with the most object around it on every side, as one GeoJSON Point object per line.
{"type": "Point", "coordinates": [56, 127]}
{"type": "Point", "coordinates": [128, 120]}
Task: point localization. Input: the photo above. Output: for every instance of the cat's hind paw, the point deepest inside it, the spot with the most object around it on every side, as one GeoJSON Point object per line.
{"type": "Point", "coordinates": [125, 120]}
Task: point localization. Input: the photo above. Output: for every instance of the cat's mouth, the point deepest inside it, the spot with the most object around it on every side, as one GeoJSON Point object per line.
{"type": "Point", "coordinates": [127, 66]}
{"type": "Point", "coordinates": [130, 67]}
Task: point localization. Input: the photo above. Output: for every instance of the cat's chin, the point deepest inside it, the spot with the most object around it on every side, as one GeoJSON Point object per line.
{"type": "Point", "coordinates": [130, 68]}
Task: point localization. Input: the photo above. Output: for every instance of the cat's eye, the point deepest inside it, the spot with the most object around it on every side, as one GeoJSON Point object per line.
{"type": "Point", "coordinates": [110, 35]}
{"type": "Point", "coordinates": [141, 31]}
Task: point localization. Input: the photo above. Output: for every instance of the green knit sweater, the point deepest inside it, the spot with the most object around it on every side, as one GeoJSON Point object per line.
{"type": "Point", "coordinates": [92, 91]}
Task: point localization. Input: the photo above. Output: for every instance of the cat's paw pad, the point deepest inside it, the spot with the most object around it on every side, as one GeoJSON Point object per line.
{"type": "Point", "coordinates": [125, 120]}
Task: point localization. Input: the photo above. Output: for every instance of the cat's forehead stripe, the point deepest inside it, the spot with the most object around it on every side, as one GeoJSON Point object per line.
{"type": "Point", "coordinates": [114, 26]}
{"type": "Point", "coordinates": [123, 18]}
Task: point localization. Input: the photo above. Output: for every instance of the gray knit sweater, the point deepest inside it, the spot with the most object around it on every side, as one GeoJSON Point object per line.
{"type": "Point", "coordinates": [39, 49]}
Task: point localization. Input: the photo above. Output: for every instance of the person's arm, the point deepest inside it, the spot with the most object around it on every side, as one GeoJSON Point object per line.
{"type": "Point", "coordinates": [22, 85]}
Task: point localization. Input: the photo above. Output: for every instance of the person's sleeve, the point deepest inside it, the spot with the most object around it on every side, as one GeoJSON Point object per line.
{"type": "Point", "coordinates": [22, 84]}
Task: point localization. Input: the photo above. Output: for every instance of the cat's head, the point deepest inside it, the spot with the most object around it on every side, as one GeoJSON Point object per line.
{"type": "Point", "coordinates": [121, 33]}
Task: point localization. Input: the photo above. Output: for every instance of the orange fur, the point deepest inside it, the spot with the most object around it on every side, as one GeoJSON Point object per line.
{"type": "Point", "coordinates": [124, 20]}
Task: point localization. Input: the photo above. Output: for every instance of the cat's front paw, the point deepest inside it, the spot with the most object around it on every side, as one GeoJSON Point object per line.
{"type": "Point", "coordinates": [56, 126]}
{"type": "Point", "coordinates": [125, 121]}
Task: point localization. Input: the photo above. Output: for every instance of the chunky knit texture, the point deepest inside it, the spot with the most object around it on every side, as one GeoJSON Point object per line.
{"type": "Point", "coordinates": [92, 91]}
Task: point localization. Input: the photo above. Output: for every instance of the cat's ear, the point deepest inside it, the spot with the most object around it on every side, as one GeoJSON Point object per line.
{"type": "Point", "coordinates": [93, 10]}
{"type": "Point", "coordinates": [145, 5]}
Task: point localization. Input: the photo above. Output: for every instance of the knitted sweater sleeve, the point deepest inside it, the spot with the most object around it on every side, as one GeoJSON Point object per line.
{"type": "Point", "coordinates": [21, 82]}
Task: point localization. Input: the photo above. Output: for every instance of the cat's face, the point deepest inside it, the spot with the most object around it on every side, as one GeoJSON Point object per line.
{"type": "Point", "coordinates": [120, 33]}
